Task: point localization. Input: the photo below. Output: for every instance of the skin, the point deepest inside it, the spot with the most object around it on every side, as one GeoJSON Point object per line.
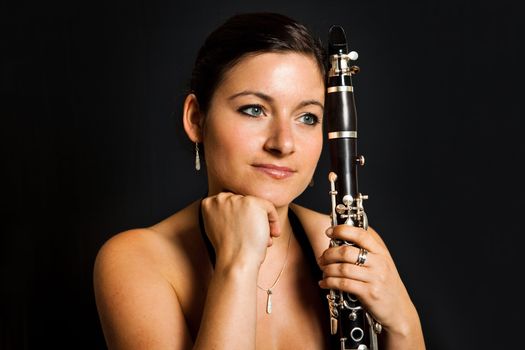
{"type": "Point", "coordinates": [155, 287]}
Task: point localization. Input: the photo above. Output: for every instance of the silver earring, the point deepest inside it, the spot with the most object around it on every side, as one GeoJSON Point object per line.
{"type": "Point", "coordinates": [197, 158]}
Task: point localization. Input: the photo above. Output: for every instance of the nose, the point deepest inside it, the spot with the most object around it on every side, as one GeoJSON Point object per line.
{"type": "Point", "coordinates": [280, 140]}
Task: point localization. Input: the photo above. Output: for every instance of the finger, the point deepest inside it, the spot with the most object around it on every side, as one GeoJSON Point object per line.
{"type": "Point", "coordinates": [273, 217]}
{"type": "Point", "coordinates": [345, 254]}
{"type": "Point", "coordinates": [350, 271]}
{"type": "Point", "coordinates": [356, 235]}
{"type": "Point", "coordinates": [275, 226]}
{"type": "Point", "coordinates": [355, 287]}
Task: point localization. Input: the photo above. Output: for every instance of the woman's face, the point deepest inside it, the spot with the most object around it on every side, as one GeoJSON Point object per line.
{"type": "Point", "coordinates": [263, 131]}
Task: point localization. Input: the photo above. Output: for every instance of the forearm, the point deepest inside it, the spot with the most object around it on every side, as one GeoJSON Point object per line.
{"type": "Point", "coordinates": [229, 317]}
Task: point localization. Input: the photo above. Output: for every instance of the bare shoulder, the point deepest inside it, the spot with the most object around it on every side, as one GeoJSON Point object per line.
{"type": "Point", "coordinates": [153, 249]}
{"type": "Point", "coordinates": [137, 274]}
{"type": "Point", "coordinates": [133, 246]}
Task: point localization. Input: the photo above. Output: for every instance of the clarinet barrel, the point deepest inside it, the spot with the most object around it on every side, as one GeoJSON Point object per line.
{"type": "Point", "coordinates": [350, 324]}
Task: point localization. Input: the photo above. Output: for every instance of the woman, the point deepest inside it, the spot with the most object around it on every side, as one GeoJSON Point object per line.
{"type": "Point", "coordinates": [230, 271]}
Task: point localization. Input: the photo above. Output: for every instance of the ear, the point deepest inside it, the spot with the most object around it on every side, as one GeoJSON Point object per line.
{"type": "Point", "coordinates": [192, 118]}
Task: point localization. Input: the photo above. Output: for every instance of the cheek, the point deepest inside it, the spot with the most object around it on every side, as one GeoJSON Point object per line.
{"type": "Point", "coordinates": [226, 145]}
{"type": "Point", "coordinates": [313, 146]}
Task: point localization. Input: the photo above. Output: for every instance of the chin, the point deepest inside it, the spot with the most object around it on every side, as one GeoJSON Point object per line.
{"type": "Point", "coordinates": [280, 194]}
{"type": "Point", "coordinates": [277, 196]}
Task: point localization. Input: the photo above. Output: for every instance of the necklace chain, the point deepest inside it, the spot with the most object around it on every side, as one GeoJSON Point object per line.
{"type": "Point", "coordinates": [269, 290]}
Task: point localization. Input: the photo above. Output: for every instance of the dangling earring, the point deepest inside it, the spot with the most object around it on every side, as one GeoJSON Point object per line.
{"type": "Point", "coordinates": [197, 158]}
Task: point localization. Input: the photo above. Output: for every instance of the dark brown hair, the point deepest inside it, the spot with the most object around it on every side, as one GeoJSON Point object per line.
{"type": "Point", "coordinates": [245, 34]}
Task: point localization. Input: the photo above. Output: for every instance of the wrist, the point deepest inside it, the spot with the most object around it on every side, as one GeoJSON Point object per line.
{"type": "Point", "coordinates": [238, 267]}
{"type": "Point", "coordinates": [405, 333]}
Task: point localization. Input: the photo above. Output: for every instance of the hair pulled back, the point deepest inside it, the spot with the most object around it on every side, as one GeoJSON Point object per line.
{"type": "Point", "coordinates": [246, 34]}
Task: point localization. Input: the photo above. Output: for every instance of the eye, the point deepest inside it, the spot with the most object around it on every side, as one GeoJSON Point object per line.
{"type": "Point", "coordinates": [309, 119]}
{"type": "Point", "coordinates": [252, 110]}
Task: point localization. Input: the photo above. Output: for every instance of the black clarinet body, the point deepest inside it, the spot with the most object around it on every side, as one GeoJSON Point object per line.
{"type": "Point", "coordinates": [353, 327]}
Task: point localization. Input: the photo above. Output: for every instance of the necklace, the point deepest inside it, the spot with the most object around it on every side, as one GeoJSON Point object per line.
{"type": "Point", "coordinates": [269, 291]}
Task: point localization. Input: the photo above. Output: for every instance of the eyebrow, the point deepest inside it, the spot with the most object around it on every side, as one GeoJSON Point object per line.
{"type": "Point", "coordinates": [310, 102]}
{"type": "Point", "coordinates": [249, 92]}
{"type": "Point", "coordinates": [270, 99]}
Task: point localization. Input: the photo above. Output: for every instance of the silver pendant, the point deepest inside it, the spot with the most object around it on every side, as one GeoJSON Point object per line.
{"type": "Point", "coordinates": [269, 301]}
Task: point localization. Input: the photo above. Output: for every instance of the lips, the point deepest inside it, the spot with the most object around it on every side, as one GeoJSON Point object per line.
{"type": "Point", "coordinates": [275, 171]}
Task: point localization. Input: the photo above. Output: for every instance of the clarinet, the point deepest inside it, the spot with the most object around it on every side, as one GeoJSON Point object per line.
{"type": "Point", "coordinates": [351, 325]}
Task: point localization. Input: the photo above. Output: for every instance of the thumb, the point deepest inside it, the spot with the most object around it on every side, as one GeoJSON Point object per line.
{"type": "Point", "coordinates": [273, 220]}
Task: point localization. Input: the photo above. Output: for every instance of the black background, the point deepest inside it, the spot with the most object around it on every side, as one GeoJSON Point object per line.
{"type": "Point", "coordinates": [91, 96]}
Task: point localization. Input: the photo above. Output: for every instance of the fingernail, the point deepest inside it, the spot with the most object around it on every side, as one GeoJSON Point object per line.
{"type": "Point", "coordinates": [329, 232]}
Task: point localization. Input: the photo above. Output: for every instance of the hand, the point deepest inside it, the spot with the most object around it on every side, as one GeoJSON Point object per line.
{"type": "Point", "coordinates": [376, 283]}
{"type": "Point", "coordinates": [240, 227]}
